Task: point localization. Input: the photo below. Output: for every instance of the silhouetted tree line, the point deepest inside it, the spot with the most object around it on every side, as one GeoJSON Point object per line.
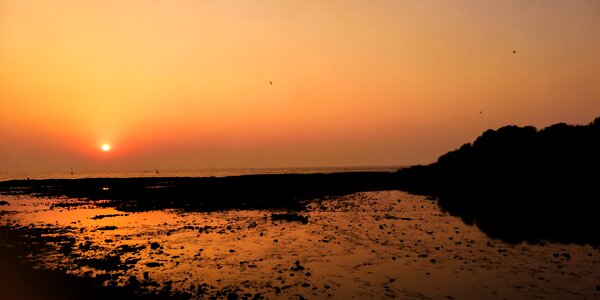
{"type": "Point", "coordinates": [518, 183]}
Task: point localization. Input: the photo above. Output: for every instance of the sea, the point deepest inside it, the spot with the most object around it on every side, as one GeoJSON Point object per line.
{"type": "Point", "coordinates": [76, 174]}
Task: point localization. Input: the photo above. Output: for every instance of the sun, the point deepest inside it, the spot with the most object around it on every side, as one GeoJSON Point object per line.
{"type": "Point", "coordinates": [105, 147]}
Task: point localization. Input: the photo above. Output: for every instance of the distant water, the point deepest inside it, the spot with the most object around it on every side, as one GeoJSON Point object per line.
{"type": "Point", "coordinates": [188, 173]}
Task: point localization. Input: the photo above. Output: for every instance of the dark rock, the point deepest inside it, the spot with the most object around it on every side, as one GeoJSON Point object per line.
{"type": "Point", "coordinates": [98, 217]}
{"type": "Point", "coordinates": [297, 266]}
{"type": "Point", "coordinates": [129, 248]}
{"type": "Point", "coordinates": [131, 261]}
{"type": "Point", "coordinates": [107, 228]}
{"type": "Point", "coordinates": [108, 263]}
{"type": "Point", "coordinates": [133, 281]}
{"type": "Point", "coordinates": [153, 264]}
{"type": "Point", "coordinates": [290, 218]}
{"type": "Point", "coordinates": [85, 246]}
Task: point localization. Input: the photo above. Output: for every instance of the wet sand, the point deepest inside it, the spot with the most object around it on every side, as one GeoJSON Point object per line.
{"type": "Point", "coordinates": [378, 244]}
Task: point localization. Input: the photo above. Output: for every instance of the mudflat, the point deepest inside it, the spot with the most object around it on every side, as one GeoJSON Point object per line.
{"type": "Point", "coordinates": [361, 245]}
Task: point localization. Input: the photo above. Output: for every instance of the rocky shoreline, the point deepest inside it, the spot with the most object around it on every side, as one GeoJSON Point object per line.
{"type": "Point", "coordinates": [285, 191]}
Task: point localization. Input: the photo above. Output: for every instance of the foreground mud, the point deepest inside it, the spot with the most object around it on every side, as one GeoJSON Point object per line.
{"type": "Point", "coordinates": [364, 245]}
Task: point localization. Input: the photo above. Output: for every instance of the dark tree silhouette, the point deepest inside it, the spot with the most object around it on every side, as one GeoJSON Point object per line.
{"type": "Point", "coordinates": [518, 183]}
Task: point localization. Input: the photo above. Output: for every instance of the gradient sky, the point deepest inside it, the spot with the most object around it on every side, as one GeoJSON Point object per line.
{"type": "Point", "coordinates": [185, 84]}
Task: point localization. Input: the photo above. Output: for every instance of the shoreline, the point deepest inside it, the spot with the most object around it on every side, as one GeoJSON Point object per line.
{"type": "Point", "coordinates": [190, 173]}
{"type": "Point", "coordinates": [280, 191]}
{"type": "Point", "coordinates": [519, 213]}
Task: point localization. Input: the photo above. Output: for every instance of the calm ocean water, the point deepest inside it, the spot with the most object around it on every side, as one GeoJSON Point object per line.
{"type": "Point", "coordinates": [188, 173]}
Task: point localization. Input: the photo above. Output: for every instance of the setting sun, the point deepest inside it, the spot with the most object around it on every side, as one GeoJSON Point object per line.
{"type": "Point", "coordinates": [105, 147]}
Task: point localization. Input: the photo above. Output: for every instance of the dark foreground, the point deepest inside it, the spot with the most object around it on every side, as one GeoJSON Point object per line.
{"type": "Point", "coordinates": [20, 279]}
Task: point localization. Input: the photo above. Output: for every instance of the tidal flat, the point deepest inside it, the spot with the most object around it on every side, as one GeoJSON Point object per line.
{"type": "Point", "coordinates": [385, 244]}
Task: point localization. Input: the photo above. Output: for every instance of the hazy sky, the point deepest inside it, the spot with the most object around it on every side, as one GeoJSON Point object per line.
{"type": "Point", "coordinates": [185, 84]}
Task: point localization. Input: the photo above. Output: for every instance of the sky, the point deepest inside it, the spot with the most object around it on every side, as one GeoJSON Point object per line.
{"type": "Point", "coordinates": [242, 84]}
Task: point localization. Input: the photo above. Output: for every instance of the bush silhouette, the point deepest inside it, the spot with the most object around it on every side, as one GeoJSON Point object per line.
{"type": "Point", "coordinates": [518, 183]}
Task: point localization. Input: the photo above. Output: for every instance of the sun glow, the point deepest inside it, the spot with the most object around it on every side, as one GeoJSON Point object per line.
{"type": "Point", "coordinates": [105, 147]}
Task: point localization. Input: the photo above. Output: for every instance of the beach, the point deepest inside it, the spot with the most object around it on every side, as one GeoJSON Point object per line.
{"type": "Point", "coordinates": [379, 244]}
{"type": "Point", "coordinates": [299, 150]}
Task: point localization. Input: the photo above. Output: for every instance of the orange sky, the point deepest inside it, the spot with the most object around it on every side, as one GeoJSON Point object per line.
{"type": "Point", "coordinates": [185, 84]}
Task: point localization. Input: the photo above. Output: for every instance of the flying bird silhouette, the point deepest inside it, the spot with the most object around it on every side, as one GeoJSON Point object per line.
{"type": "Point", "coordinates": [270, 82]}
